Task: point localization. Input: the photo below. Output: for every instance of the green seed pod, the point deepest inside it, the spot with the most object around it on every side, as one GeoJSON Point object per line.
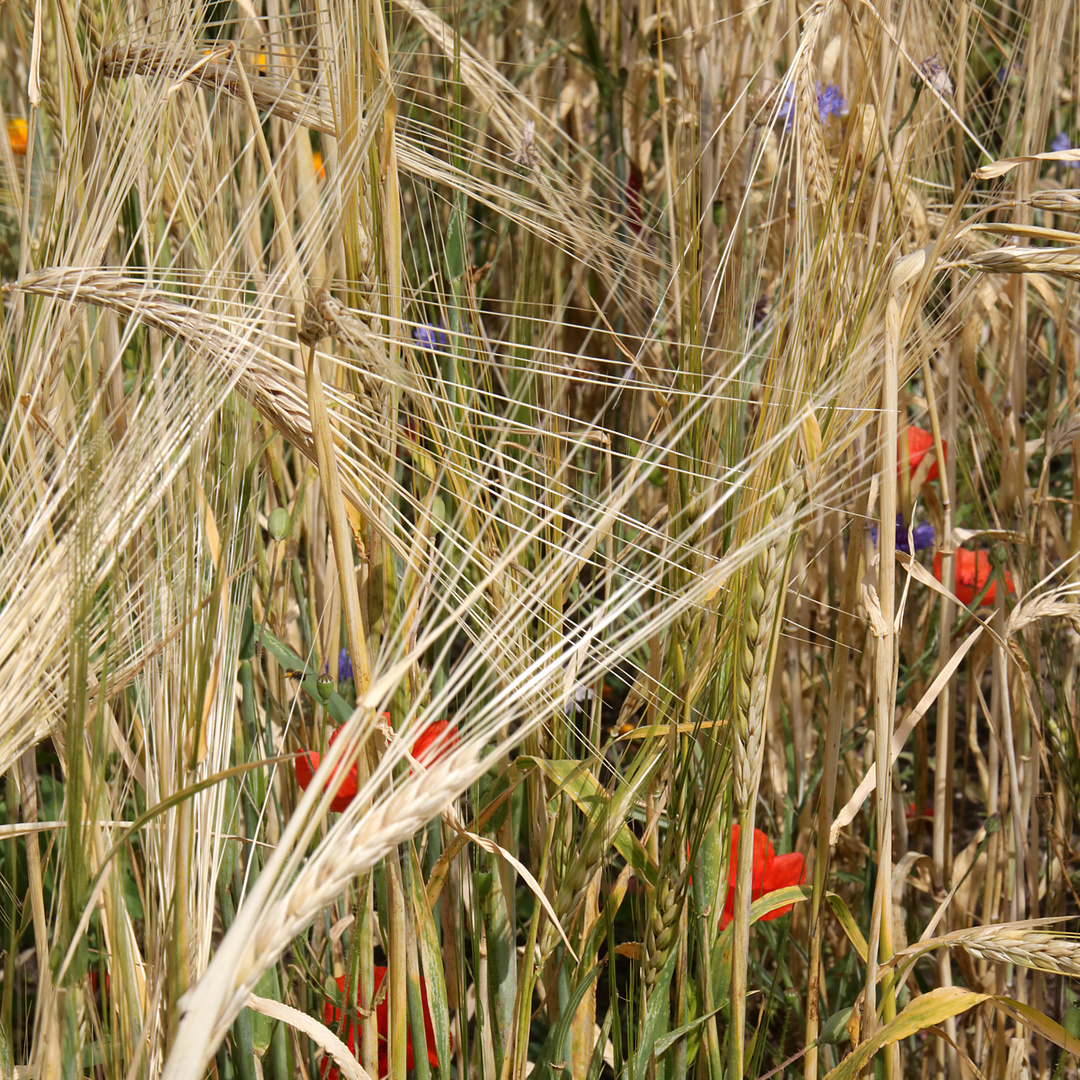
{"type": "Point", "coordinates": [325, 685]}
{"type": "Point", "coordinates": [279, 523]}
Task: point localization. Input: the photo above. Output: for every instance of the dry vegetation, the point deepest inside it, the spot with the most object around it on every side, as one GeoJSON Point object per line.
{"type": "Point", "coordinates": [541, 369]}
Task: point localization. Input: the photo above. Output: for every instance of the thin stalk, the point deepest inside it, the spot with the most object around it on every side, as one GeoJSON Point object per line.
{"type": "Point", "coordinates": [397, 962]}
{"type": "Point", "coordinates": [880, 943]}
{"type": "Point", "coordinates": [838, 685]}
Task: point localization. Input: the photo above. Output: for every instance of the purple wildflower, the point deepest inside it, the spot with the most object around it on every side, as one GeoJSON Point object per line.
{"type": "Point", "coordinates": [786, 112]}
{"type": "Point", "coordinates": [432, 337]}
{"type": "Point", "coordinates": [922, 534]}
{"type": "Point", "coordinates": [344, 665]}
{"type": "Point", "coordinates": [830, 102]}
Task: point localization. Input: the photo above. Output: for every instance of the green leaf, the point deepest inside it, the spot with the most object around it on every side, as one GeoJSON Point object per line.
{"type": "Point", "coordinates": [922, 1013]}
{"type": "Point", "coordinates": [431, 959]}
{"type": "Point", "coordinates": [664, 1044]}
{"type": "Point", "coordinates": [847, 921]}
{"type": "Point", "coordinates": [591, 798]}
{"type": "Point", "coordinates": [592, 56]}
{"type": "Point", "coordinates": [1038, 1022]}
{"type": "Point", "coordinates": [720, 964]}
{"type": "Point", "coordinates": [557, 1036]}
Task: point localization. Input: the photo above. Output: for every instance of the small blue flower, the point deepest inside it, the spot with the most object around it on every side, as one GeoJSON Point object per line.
{"type": "Point", "coordinates": [1061, 142]}
{"type": "Point", "coordinates": [786, 111]}
{"type": "Point", "coordinates": [1008, 71]}
{"type": "Point", "coordinates": [432, 337]}
{"type": "Point", "coordinates": [922, 534]}
{"type": "Point", "coordinates": [830, 102]}
{"type": "Point", "coordinates": [344, 665]}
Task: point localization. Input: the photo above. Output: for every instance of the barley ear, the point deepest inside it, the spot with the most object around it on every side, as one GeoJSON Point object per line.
{"type": "Point", "coordinates": [765, 579]}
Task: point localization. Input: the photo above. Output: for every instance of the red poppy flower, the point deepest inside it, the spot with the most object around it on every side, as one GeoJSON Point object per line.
{"type": "Point", "coordinates": [332, 1016]}
{"type": "Point", "coordinates": [920, 443]}
{"type": "Point", "coordinates": [435, 742]}
{"type": "Point", "coordinates": [306, 765]}
{"type": "Point", "coordinates": [771, 872]}
{"type": "Point", "coordinates": [972, 573]}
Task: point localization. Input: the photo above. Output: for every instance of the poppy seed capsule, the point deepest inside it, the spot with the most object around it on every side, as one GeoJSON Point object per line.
{"type": "Point", "coordinates": [278, 523]}
{"type": "Point", "coordinates": [325, 685]}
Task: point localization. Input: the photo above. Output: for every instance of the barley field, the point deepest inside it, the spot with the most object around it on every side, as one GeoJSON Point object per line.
{"type": "Point", "coordinates": [539, 539]}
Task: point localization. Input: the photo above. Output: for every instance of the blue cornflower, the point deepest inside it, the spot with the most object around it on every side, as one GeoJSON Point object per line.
{"type": "Point", "coordinates": [830, 102]}
{"type": "Point", "coordinates": [344, 665]}
{"type": "Point", "coordinates": [786, 112]}
{"type": "Point", "coordinates": [922, 534]}
{"type": "Point", "coordinates": [432, 337]}
{"type": "Point", "coordinates": [1007, 71]}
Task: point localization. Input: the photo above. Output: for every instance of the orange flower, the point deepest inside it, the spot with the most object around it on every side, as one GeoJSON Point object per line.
{"type": "Point", "coordinates": [920, 443]}
{"type": "Point", "coordinates": [972, 573]}
{"type": "Point", "coordinates": [771, 872]}
{"type": "Point", "coordinates": [332, 1017]}
{"type": "Point", "coordinates": [320, 168]}
{"type": "Point", "coordinates": [17, 133]}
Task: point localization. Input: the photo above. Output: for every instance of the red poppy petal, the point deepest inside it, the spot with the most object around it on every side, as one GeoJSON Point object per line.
{"type": "Point", "coordinates": [729, 910]}
{"type": "Point", "coordinates": [435, 742]}
{"type": "Point", "coordinates": [333, 1019]}
{"type": "Point", "coordinates": [972, 570]}
{"type": "Point", "coordinates": [305, 766]}
{"type": "Point", "coordinates": [920, 443]}
{"type": "Point", "coordinates": [764, 855]}
{"type": "Point", "coordinates": [786, 870]}
{"type": "Point", "coordinates": [963, 577]}
{"type": "Point", "coordinates": [346, 793]}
